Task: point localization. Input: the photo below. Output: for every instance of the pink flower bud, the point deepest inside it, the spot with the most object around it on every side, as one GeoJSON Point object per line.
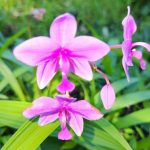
{"type": "Point", "coordinates": [108, 96]}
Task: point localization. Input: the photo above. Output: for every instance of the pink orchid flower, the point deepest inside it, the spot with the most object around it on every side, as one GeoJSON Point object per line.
{"type": "Point", "coordinates": [62, 51]}
{"type": "Point", "coordinates": [66, 110]}
{"type": "Point", "coordinates": [129, 27]}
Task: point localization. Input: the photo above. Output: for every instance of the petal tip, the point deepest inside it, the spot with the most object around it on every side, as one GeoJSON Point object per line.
{"type": "Point", "coordinates": [41, 85]}
{"type": "Point", "coordinates": [128, 8]}
{"type": "Point", "coordinates": [27, 113]}
{"type": "Point", "coordinates": [64, 134]}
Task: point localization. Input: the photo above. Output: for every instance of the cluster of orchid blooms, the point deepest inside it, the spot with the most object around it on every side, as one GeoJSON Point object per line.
{"type": "Point", "coordinates": [64, 52]}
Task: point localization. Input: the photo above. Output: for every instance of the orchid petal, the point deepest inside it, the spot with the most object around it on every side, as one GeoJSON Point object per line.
{"type": "Point", "coordinates": [129, 26]}
{"type": "Point", "coordinates": [143, 64]}
{"type": "Point", "coordinates": [64, 134]}
{"type": "Point", "coordinates": [65, 98]}
{"type": "Point", "coordinates": [86, 110]}
{"type": "Point", "coordinates": [127, 53]}
{"type": "Point", "coordinates": [126, 68]}
{"type": "Point", "coordinates": [137, 54]}
{"type": "Point", "coordinates": [63, 29]}
{"type": "Point", "coordinates": [65, 85]}
{"type": "Point", "coordinates": [82, 68]}
{"type": "Point", "coordinates": [76, 123]}
{"type": "Point", "coordinates": [108, 96]}
{"type": "Point", "coordinates": [35, 50]}
{"type": "Point", "coordinates": [45, 119]}
{"type": "Point", "coordinates": [40, 106]}
{"type": "Point", "coordinates": [64, 65]}
{"type": "Point", "coordinates": [63, 119]}
{"type": "Point", "coordinates": [146, 45]}
{"type": "Point", "coordinates": [45, 73]}
{"type": "Point", "coordinates": [88, 47]}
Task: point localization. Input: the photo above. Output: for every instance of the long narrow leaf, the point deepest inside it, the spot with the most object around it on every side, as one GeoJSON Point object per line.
{"type": "Point", "coordinates": [8, 75]}
{"type": "Point", "coordinates": [111, 130]}
{"type": "Point", "coordinates": [129, 99]}
{"type": "Point", "coordinates": [16, 73]}
{"type": "Point", "coordinates": [11, 40]}
{"type": "Point", "coordinates": [29, 136]}
{"type": "Point", "coordinates": [134, 118]}
{"type": "Point", "coordinates": [123, 83]}
{"type": "Point", "coordinates": [11, 113]}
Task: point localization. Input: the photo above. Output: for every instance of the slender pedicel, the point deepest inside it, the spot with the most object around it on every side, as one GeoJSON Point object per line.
{"type": "Point", "coordinates": [115, 46]}
{"type": "Point", "coordinates": [101, 73]}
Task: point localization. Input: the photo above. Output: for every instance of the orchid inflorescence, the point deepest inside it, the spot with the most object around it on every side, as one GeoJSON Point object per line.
{"type": "Point", "coordinates": [64, 52]}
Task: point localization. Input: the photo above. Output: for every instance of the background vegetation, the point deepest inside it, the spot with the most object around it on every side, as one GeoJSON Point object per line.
{"type": "Point", "coordinates": [124, 127]}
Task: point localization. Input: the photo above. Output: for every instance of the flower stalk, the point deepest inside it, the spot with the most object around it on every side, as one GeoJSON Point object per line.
{"type": "Point", "coordinates": [101, 73]}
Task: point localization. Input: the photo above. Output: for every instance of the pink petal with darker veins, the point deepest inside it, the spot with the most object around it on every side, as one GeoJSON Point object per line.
{"type": "Point", "coordinates": [82, 68]}
{"type": "Point", "coordinates": [108, 96]}
{"type": "Point", "coordinates": [45, 73]}
{"type": "Point", "coordinates": [86, 110]}
{"type": "Point", "coordinates": [46, 119]}
{"type": "Point", "coordinates": [40, 106]}
{"type": "Point", "coordinates": [88, 47]}
{"type": "Point", "coordinates": [64, 65]}
{"type": "Point", "coordinates": [63, 29]}
{"type": "Point", "coordinates": [64, 134]}
{"type": "Point", "coordinates": [76, 123]}
{"type": "Point", "coordinates": [127, 52]}
{"type": "Point", "coordinates": [34, 50]}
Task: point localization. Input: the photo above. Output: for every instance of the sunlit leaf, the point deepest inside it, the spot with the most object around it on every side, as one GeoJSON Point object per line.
{"type": "Point", "coordinates": [11, 113]}
{"type": "Point", "coordinates": [137, 117]}
{"type": "Point", "coordinates": [29, 136]}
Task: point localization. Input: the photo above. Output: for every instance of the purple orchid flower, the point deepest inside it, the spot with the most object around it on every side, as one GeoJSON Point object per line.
{"type": "Point", "coordinates": [62, 51]}
{"type": "Point", "coordinates": [129, 27]}
{"type": "Point", "coordinates": [66, 110]}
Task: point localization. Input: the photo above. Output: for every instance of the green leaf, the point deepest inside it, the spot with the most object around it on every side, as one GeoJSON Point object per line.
{"type": "Point", "coordinates": [11, 40]}
{"type": "Point", "coordinates": [3, 96]}
{"type": "Point", "coordinates": [134, 118]}
{"type": "Point", "coordinates": [144, 144]}
{"type": "Point", "coordinates": [11, 113]}
{"type": "Point", "coordinates": [113, 132]}
{"type": "Point", "coordinates": [29, 136]}
{"type": "Point", "coordinates": [123, 83]}
{"type": "Point", "coordinates": [16, 73]}
{"type": "Point", "coordinates": [129, 99]}
{"type": "Point", "coordinates": [102, 134]}
{"type": "Point", "coordinates": [8, 75]}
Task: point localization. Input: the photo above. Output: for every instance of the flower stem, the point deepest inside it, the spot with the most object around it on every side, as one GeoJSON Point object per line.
{"type": "Point", "coordinates": [67, 93]}
{"type": "Point", "coordinates": [101, 73]}
{"type": "Point", "coordinates": [115, 46]}
{"type": "Point", "coordinates": [29, 27]}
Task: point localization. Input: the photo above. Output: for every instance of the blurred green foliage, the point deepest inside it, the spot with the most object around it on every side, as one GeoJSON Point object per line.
{"type": "Point", "coordinates": [128, 121]}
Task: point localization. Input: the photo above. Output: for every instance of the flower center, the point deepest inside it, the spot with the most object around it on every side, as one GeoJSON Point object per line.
{"type": "Point", "coordinates": [64, 52]}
